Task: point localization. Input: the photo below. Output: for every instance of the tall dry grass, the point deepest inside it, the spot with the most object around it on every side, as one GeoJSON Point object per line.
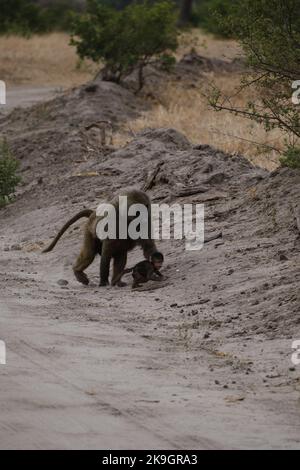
{"type": "Point", "coordinates": [188, 111]}
{"type": "Point", "coordinates": [207, 45]}
{"type": "Point", "coordinates": [46, 60]}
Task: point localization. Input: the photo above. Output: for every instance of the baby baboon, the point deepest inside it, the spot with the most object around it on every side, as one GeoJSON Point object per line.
{"type": "Point", "coordinates": [115, 249]}
{"type": "Point", "coordinates": [145, 271]}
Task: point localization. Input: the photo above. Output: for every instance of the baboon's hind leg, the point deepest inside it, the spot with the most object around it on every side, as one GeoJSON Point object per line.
{"type": "Point", "coordinates": [85, 258]}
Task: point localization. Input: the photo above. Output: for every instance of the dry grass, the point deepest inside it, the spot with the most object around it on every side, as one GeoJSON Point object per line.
{"type": "Point", "coordinates": [46, 60]}
{"type": "Point", "coordinates": [187, 110]}
{"type": "Point", "coordinates": [207, 45]}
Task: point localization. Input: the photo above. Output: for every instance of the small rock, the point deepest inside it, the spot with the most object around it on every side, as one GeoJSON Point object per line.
{"type": "Point", "coordinates": [62, 282]}
{"type": "Point", "coordinates": [208, 168]}
{"type": "Point", "coordinates": [15, 247]}
{"type": "Point", "coordinates": [216, 178]}
{"type": "Point", "coordinates": [92, 88]}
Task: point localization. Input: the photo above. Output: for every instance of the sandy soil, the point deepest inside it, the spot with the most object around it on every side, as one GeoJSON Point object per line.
{"type": "Point", "coordinates": [202, 360]}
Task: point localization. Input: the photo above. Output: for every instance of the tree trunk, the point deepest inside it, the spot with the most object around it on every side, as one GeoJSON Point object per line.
{"type": "Point", "coordinates": [185, 12]}
{"type": "Point", "coordinates": [140, 77]}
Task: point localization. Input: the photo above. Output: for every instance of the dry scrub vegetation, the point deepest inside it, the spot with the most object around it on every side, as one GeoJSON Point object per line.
{"type": "Point", "coordinates": [49, 60]}
{"type": "Point", "coordinates": [206, 44]}
{"type": "Point", "coordinates": [187, 110]}
{"type": "Point", "coordinates": [46, 60]}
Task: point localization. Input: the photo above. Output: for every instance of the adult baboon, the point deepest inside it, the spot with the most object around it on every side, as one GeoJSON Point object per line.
{"type": "Point", "coordinates": [109, 248]}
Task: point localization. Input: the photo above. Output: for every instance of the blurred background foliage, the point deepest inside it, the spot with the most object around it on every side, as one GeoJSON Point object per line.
{"type": "Point", "coordinates": [27, 17]}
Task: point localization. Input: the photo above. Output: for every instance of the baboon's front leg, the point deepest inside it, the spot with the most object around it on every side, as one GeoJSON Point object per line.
{"type": "Point", "coordinates": [136, 284]}
{"type": "Point", "coordinates": [158, 273]}
{"type": "Point", "coordinates": [119, 265]}
{"type": "Point", "coordinates": [154, 277]}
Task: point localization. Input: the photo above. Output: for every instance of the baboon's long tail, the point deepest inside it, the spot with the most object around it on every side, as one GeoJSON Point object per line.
{"type": "Point", "coordinates": [84, 213]}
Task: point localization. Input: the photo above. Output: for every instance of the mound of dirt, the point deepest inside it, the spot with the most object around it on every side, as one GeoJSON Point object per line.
{"type": "Point", "coordinates": [195, 63]}
{"type": "Point", "coordinates": [51, 140]}
{"type": "Point", "coordinates": [188, 71]}
{"type": "Point", "coordinates": [254, 210]}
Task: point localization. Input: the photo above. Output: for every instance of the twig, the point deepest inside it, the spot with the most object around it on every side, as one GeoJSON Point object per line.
{"type": "Point", "coordinates": [197, 302]}
{"type": "Point", "coordinates": [132, 131]}
{"type": "Point", "coordinates": [272, 118]}
{"type": "Point", "coordinates": [151, 180]}
{"type": "Point", "coordinates": [297, 218]}
{"type": "Point", "coordinates": [191, 191]}
{"type": "Point", "coordinates": [97, 124]}
{"type": "Point", "coordinates": [215, 131]}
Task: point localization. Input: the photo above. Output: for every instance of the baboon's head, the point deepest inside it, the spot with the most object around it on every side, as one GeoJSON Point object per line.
{"type": "Point", "coordinates": [157, 260]}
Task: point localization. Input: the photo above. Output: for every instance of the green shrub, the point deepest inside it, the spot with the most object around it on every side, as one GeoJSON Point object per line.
{"type": "Point", "coordinates": [24, 17]}
{"type": "Point", "coordinates": [8, 177]}
{"type": "Point", "coordinates": [19, 17]}
{"type": "Point", "coordinates": [210, 15]}
{"type": "Point", "coordinates": [291, 157]}
{"type": "Point", "coordinates": [269, 33]}
{"type": "Point", "coordinates": [57, 16]}
{"type": "Point", "coordinates": [128, 39]}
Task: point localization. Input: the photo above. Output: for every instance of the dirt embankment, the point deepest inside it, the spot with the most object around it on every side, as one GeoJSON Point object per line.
{"type": "Point", "coordinates": [199, 361]}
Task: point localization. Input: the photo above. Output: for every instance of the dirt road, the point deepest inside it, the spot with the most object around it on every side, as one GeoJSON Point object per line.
{"type": "Point", "coordinates": [93, 376]}
{"type": "Point", "coordinates": [26, 96]}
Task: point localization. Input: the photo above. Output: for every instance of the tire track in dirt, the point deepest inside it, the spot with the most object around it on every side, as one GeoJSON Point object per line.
{"type": "Point", "coordinates": [71, 384]}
